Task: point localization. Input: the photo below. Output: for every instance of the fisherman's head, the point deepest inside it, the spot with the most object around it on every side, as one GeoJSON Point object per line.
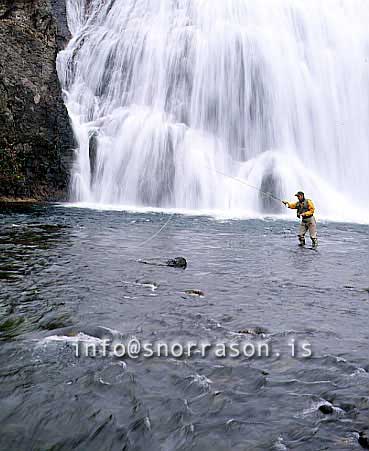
{"type": "Point", "coordinates": [300, 196]}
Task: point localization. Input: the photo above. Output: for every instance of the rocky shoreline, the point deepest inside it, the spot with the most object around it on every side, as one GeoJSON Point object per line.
{"type": "Point", "coordinates": [23, 200]}
{"type": "Point", "coordinates": [36, 139]}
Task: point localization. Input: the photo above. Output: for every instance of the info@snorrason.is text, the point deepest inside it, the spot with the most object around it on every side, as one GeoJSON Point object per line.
{"type": "Point", "coordinates": [134, 348]}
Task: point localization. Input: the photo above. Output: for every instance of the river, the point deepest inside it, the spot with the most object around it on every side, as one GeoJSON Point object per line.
{"type": "Point", "coordinates": [70, 275]}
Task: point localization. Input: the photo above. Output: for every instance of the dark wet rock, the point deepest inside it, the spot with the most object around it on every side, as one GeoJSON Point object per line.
{"type": "Point", "coordinates": [254, 331]}
{"type": "Point", "coordinates": [36, 139]}
{"type": "Point", "coordinates": [364, 439]}
{"type": "Point", "coordinates": [343, 399]}
{"type": "Point", "coordinates": [58, 10]}
{"type": "Point", "coordinates": [270, 186]}
{"type": "Point", "coordinates": [178, 262]}
{"type": "Point", "coordinates": [54, 321]}
{"type": "Point", "coordinates": [327, 409]}
{"type": "Point", "coordinates": [199, 293]}
{"type": "Point", "coordinates": [92, 151]}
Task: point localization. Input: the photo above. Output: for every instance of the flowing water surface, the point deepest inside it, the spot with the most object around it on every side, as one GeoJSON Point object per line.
{"type": "Point", "coordinates": [70, 274]}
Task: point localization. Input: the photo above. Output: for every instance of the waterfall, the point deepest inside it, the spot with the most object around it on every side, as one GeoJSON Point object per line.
{"type": "Point", "coordinates": [166, 96]}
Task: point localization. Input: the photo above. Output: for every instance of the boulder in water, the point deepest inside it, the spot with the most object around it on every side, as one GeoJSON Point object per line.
{"type": "Point", "coordinates": [178, 262]}
{"type": "Point", "coordinates": [364, 439]}
{"type": "Point", "coordinates": [327, 409]}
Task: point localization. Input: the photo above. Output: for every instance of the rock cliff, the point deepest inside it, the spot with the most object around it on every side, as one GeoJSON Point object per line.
{"type": "Point", "coordinates": [36, 138]}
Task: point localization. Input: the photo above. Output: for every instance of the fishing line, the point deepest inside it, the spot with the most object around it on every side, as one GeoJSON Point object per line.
{"type": "Point", "coordinates": [159, 231]}
{"type": "Point", "coordinates": [243, 182]}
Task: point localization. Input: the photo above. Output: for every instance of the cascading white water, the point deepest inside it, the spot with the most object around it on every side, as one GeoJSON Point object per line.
{"type": "Point", "coordinates": [165, 93]}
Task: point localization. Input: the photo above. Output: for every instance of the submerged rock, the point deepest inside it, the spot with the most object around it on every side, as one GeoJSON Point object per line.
{"type": "Point", "coordinates": [147, 283]}
{"type": "Point", "coordinates": [199, 293]}
{"type": "Point", "coordinates": [99, 332]}
{"type": "Point", "coordinates": [11, 323]}
{"type": "Point", "coordinates": [54, 321]}
{"type": "Point", "coordinates": [11, 327]}
{"type": "Point", "coordinates": [178, 262]}
{"type": "Point", "coordinates": [253, 331]}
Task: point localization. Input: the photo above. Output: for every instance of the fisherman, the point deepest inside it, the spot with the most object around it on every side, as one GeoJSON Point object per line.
{"type": "Point", "coordinates": [305, 210]}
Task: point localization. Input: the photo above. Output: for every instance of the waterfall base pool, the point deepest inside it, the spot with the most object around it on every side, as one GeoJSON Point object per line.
{"type": "Point", "coordinates": [75, 274]}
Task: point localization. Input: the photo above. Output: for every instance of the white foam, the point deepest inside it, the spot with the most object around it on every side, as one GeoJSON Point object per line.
{"type": "Point", "coordinates": [353, 216]}
{"type": "Point", "coordinates": [78, 338]}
